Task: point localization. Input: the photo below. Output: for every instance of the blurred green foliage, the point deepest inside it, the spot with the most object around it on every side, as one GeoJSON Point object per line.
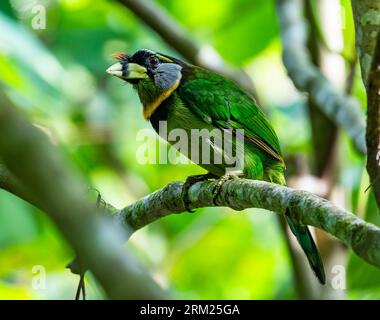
{"type": "Point", "coordinates": [57, 77]}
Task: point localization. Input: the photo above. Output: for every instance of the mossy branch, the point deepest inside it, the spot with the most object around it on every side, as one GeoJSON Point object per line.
{"type": "Point", "coordinates": [305, 207]}
{"type": "Point", "coordinates": [362, 237]}
{"type": "Point", "coordinates": [367, 29]}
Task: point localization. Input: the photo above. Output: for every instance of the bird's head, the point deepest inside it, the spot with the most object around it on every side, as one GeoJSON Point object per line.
{"type": "Point", "coordinates": [154, 75]}
{"type": "Point", "coordinates": [145, 64]}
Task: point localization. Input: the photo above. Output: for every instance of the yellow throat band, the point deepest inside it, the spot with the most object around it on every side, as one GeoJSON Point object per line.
{"type": "Point", "coordinates": [151, 107]}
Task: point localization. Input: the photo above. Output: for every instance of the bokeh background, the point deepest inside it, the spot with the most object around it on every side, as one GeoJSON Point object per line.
{"type": "Point", "coordinates": [57, 78]}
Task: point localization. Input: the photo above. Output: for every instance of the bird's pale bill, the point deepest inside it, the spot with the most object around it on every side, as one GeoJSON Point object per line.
{"type": "Point", "coordinates": [127, 71]}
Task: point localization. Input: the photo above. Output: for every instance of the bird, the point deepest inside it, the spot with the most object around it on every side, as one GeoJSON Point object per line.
{"type": "Point", "coordinates": [189, 97]}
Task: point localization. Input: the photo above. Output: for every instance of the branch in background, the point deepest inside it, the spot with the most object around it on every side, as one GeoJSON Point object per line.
{"type": "Point", "coordinates": [325, 134]}
{"type": "Point", "coordinates": [342, 110]}
{"type": "Point", "coordinates": [373, 123]}
{"type": "Point", "coordinates": [324, 131]}
{"type": "Point", "coordinates": [10, 183]}
{"type": "Point", "coordinates": [367, 27]}
{"type": "Point", "coordinates": [181, 40]}
{"type": "Point", "coordinates": [350, 77]}
{"type": "Point", "coordinates": [30, 158]}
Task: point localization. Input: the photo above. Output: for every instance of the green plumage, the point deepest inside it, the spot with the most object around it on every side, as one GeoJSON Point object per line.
{"type": "Point", "coordinates": [207, 100]}
{"type": "Point", "coordinates": [222, 104]}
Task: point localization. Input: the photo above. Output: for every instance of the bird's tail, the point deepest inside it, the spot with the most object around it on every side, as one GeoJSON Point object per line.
{"type": "Point", "coordinates": [308, 246]}
{"type": "Point", "coordinates": [302, 234]}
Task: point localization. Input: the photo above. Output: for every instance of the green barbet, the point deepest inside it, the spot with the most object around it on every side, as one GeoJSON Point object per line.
{"type": "Point", "coordinates": [188, 97]}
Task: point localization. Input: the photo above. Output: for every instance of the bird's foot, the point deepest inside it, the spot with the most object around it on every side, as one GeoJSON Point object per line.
{"type": "Point", "coordinates": [221, 181]}
{"type": "Point", "coordinates": [190, 180]}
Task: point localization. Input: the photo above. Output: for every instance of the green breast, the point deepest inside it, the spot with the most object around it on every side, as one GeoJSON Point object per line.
{"type": "Point", "coordinates": [189, 134]}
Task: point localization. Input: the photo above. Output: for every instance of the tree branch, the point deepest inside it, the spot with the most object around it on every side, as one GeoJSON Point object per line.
{"type": "Point", "coordinates": [373, 123]}
{"type": "Point", "coordinates": [181, 40]}
{"type": "Point", "coordinates": [367, 29]}
{"type": "Point", "coordinates": [10, 183]}
{"type": "Point", "coordinates": [367, 26]}
{"type": "Point", "coordinates": [363, 237]}
{"type": "Point", "coordinates": [45, 182]}
{"type": "Point", "coordinates": [342, 110]}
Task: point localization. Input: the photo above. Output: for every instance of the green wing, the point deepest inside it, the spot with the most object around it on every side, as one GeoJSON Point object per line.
{"type": "Point", "coordinates": [221, 102]}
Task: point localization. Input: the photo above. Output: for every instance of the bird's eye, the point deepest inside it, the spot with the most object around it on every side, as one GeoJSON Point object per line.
{"type": "Point", "coordinates": [153, 61]}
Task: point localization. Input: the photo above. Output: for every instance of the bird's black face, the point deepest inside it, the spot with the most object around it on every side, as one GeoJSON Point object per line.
{"type": "Point", "coordinates": [146, 64]}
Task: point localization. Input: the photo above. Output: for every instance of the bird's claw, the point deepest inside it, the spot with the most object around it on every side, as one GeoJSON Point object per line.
{"type": "Point", "coordinates": [221, 181]}
{"type": "Point", "coordinates": [190, 180]}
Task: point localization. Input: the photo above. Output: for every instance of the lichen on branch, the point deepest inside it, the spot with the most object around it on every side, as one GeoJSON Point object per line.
{"type": "Point", "coordinates": [306, 208]}
{"type": "Point", "coordinates": [367, 28]}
